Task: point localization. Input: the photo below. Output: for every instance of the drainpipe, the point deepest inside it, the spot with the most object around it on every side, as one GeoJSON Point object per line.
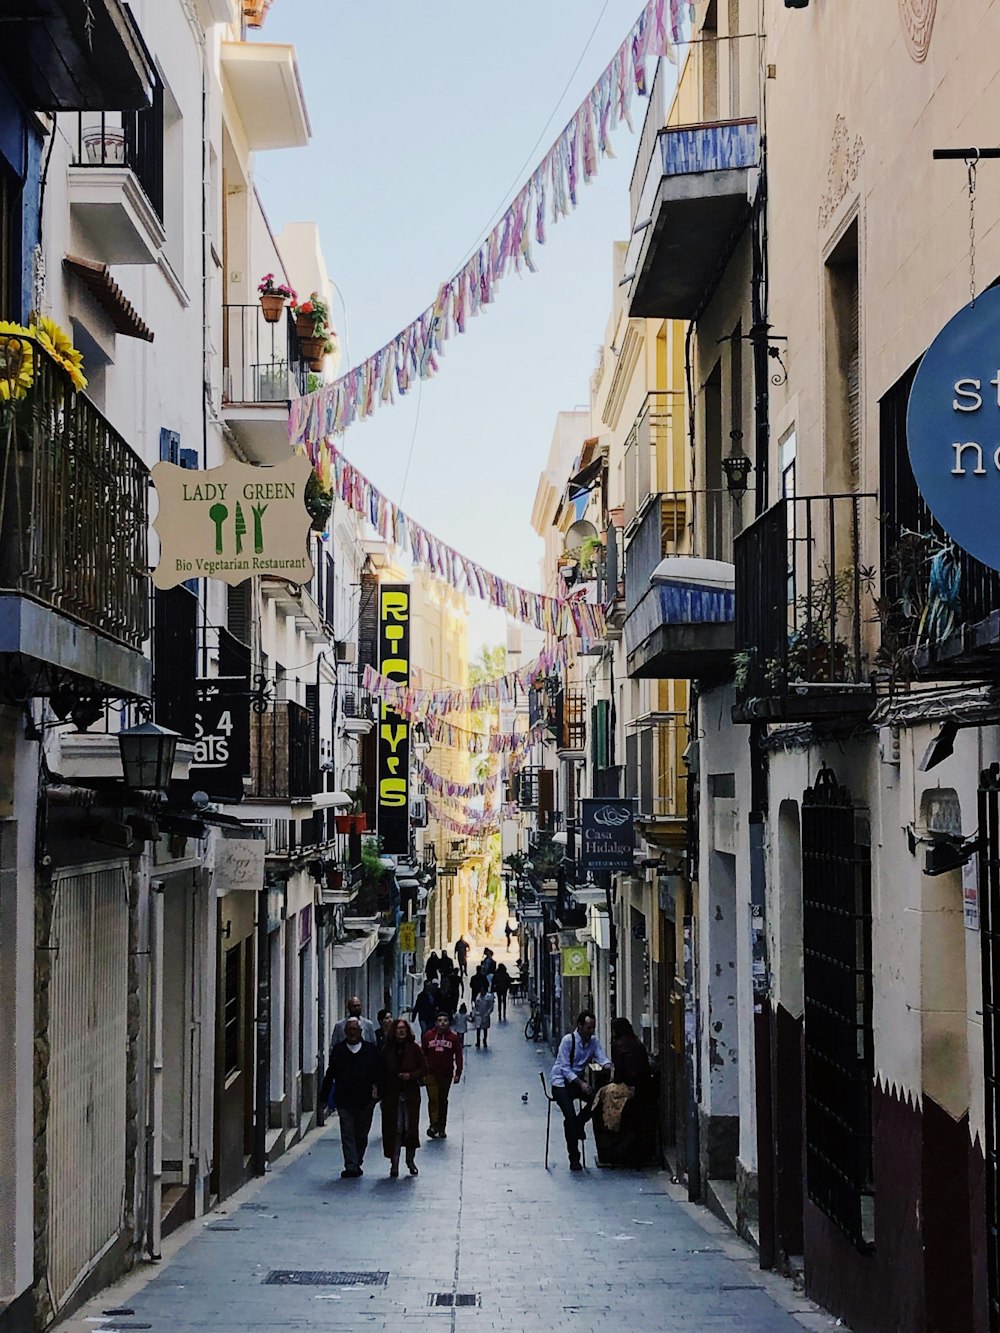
{"type": "Point", "coordinates": [262, 1080]}
{"type": "Point", "coordinates": [154, 1172]}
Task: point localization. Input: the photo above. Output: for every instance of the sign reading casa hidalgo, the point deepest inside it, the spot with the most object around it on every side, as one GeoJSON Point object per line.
{"type": "Point", "coordinates": [232, 522]}
{"type": "Point", "coordinates": [953, 428]}
{"type": "Point", "coordinates": [607, 834]}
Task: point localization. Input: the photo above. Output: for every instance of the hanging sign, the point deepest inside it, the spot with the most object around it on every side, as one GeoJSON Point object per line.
{"type": "Point", "coordinates": [232, 522]}
{"type": "Point", "coordinates": [393, 795]}
{"type": "Point", "coordinates": [407, 937]}
{"type": "Point", "coordinates": [575, 961]}
{"type": "Point", "coordinates": [607, 834]}
{"type": "Point", "coordinates": [953, 428]}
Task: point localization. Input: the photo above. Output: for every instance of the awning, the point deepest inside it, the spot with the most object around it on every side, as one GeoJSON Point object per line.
{"type": "Point", "coordinates": [355, 952]}
{"type": "Point", "coordinates": [584, 478]}
{"type": "Point", "coordinates": [109, 296]}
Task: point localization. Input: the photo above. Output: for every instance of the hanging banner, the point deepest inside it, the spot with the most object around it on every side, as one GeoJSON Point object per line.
{"type": "Point", "coordinates": [952, 428]}
{"type": "Point", "coordinates": [232, 522]}
{"type": "Point", "coordinates": [393, 795]}
{"type": "Point", "coordinates": [607, 834]}
{"type": "Point", "coordinates": [575, 961]}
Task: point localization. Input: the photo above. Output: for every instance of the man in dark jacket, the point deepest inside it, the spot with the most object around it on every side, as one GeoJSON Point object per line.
{"type": "Point", "coordinates": [443, 1053]}
{"type": "Point", "coordinates": [356, 1069]}
{"type": "Point", "coordinates": [427, 1004]}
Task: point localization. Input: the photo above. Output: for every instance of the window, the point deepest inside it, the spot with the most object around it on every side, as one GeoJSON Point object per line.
{"type": "Point", "coordinates": [232, 973]}
{"type": "Point", "coordinates": [843, 366]}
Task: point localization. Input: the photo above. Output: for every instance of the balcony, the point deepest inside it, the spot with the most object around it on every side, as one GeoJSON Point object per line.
{"type": "Point", "coordinates": [282, 768]}
{"type": "Point", "coordinates": [693, 202]}
{"type": "Point", "coordinates": [116, 182]}
{"type": "Point", "coordinates": [656, 439]}
{"type": "Point", "coordinates": [679, 598]}
{"type": "Point", "coordinates": [262, 79]}
{"type": "Point", "coordinates": [803, 599]}
{"type": "Point", "coordinates": [74, 591]}
{"type": "Point", "coordinates": [263, 369]}
{"type": "Point", "coordinates": [74, 55]}
{"type": "Point", "coordinates": [571, 723]}
{"type": "Point", "coordinates": [656, 776]}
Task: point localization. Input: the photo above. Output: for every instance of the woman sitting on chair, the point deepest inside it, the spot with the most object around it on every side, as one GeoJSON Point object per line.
{"type": "Point", "coordinates": [624, 1110]}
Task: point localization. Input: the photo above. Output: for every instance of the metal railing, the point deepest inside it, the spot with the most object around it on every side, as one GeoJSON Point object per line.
{"type": "Point", "coordinates": [656, 115]}
{"type": "Point", "coordinates": [281, 754]}
{"type": "Point", "coordinates": [132, 139]}
{"type": "Point", "coordinates": [73, 504]}
{"type": "Point", "coordinates": [648, 449]}
{"type": "Point", "coordinates": [802, 596]}
{"type": "Point", "coordinates": [262, 362]}
{"type": "Point", "coordinates": [700, 523]}
{"type": "Point", "coordinates": [571, 720]}
{"type": "Point", "coordinates": [655, 773]}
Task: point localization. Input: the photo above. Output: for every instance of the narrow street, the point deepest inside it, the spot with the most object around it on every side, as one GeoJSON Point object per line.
{"type": "Point", "coordinates": [535, 1250]}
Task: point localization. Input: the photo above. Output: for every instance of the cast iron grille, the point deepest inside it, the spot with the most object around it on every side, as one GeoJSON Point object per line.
{"type": "Point", "coordinates": [839, 1047]}
{"type": "Point", "coordinates": [304, 1277]}
{"type": "Point", "coordinates": [989, 929]}
{"type": "Point", "coordinates": [452, 1299]}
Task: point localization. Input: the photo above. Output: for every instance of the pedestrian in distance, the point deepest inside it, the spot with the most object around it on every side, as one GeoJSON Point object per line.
{"type": "Point", "coordinates": [383, 1031]}
{"type": "Point", "coordinates": [449, 990]}
{"type": "Point", "coordinates": [405, 1071]}
{"type": "Point", "coordinates": [443, 1052]}
{"type": "Point", "coordinates": [510, 934]}
{"type": "Point", "coordinates": [425, 1007]}
{"type": "Point", "coordinates": [460, 1023]}
{"type": "Point", "coordinates": [482, 1011]}
{"type": "Point", "coordinates": [355, 1070]}
{"type": "Point", "coordinates": [432, 968]}
{"type": "Point", "coordinates": [480, 982]}
{"type": "Point", "coordinates": [489, 965]}
{"type": "Point", "coordinates": [501, 989]}
{"type": "Point", "coordinates": [446, 965]}
{"type": "Point", "coordinates": [462, 955]}
{"type": "Point", "coordinates": [577, 1050]}
{"type": "Point", "coordinates": [353, 1011]}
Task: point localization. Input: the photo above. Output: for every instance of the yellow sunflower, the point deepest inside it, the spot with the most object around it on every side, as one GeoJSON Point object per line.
{"type": "Point", "coordinates": [59, 345]}
{"type": "Point", "coordinates": [17, 367]}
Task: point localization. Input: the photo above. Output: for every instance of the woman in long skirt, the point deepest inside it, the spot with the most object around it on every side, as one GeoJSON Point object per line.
{"type": "Point", "coordinates": [405, 1070]}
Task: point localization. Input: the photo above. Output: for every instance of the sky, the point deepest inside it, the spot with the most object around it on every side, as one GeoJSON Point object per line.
{"type": "Point", "coordinates": [424, 117]}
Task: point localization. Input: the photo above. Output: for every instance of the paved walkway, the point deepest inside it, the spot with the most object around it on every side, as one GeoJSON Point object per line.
{"type": "Point", "coordinates": [535, 1251]}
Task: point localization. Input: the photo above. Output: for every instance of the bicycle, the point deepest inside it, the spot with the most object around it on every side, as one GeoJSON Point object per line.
{"type": "Point", "coordinates": [534, 1029]}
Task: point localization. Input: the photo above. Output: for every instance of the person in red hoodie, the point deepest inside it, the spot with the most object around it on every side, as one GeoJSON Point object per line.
{"type": "Point", "coordinates": [443, 1053]}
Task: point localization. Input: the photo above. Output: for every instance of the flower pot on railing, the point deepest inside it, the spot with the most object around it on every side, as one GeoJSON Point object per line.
{"type": "Point", "coordinates": [334, 878]}
{"type": "Point", "coordinates": [312, 351]}
{"type": "Point", "coordinates": [351, 823]}
{"type": "Point", "coordinates": [272, 304]}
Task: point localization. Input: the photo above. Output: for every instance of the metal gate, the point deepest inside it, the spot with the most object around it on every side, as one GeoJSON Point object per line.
{"type": "Point", "coordinates": [989, 929]}
{"type": "Point", "coordinates": [87, 1068]}
{"type": "Point", "coordinates": [837, 974]}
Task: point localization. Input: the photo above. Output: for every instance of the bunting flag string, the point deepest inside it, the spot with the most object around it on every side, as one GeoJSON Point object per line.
{"type": "Point", "coordinates": [446, 787]}
{"type": "Point", "coordinates": [473, 824]}
{"type": "Point", "coordinates": [557, 617]}
{"type": "Point", "coordinates": [416, 703]}
{"type": "Point", "coordinates": [550, 192]}
{"type": "Point", "coordinates": [478, 742]}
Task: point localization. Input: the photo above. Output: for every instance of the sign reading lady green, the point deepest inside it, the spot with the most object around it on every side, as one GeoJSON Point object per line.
{"type": "Point", "coordinates": [232, 522]}
{"type": "Point", "coordinates": [953, 428]}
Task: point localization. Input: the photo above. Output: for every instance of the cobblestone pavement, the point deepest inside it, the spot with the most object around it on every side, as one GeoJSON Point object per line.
{"type": "Point", "coordinates": [533, 1250]}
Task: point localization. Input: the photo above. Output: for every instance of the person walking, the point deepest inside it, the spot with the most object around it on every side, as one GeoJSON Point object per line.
{"type": "Point", "coordinates": [355, 1069]}
{"type": "Point", "coordinates": [446, 964]}
{"type": "Point", "coordinates": [432, 968]}
{"type": "Point", "coordinates": [426, 1005]}
{"type": "Point", "coordinates": [501, 989]}
{"type": "Point", "coordinates": [443, 1053]}
{"type": "Point", "coordinates": [576, 1051]}
{"type": "Point", "coordinates": [462, 955]}
{"type": "Point", "coordinates": [460, 1023]}
{"type": "Point", "coordinates": [450, 992]}
{"type": "Point", "coordinates": [405, 1071]}
{"type": "Point", "coordinates": [383, 1032]}
{"type": "Point", "coordinates": [353, 1011]}
{"type": "Point", "coordinates": [510, 934]}
{"type": "Point", "coordinates": [482, 1011]}
{"type": "Point", "coordinates": [489, 965]}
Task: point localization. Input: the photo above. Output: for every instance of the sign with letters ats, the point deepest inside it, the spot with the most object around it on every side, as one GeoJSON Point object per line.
{"type": "Point", "coordinates": [607, 833]}
{"type": "Point", "coordinates": [232, 522]}
{"type": "Point", "coordinates": [953, 428]}
{"type": "Point", "coordinates": [393, 796]}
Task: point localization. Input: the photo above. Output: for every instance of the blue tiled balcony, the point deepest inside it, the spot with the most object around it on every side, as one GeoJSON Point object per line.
{"type": "Point", "coordinates": [691, 209]}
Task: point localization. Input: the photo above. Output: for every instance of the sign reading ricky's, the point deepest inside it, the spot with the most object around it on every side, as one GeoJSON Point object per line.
{"type": "Point", "coordinates": [232, 522]}
{"type": "Point", "coordinates": [953, 428]}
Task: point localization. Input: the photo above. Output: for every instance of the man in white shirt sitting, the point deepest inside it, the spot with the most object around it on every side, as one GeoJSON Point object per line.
{"type": "Point", "coordinates": [576, 1051]}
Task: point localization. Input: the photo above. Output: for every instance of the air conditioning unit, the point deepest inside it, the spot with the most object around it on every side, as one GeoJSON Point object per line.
{"type": "Point", "coordinates": [347, 651]}
{"type": "Point", "coordinates": [418, 811]}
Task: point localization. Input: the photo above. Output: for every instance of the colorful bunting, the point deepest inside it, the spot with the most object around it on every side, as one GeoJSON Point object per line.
{"type": "Point", "coordinates": [446, 787]}
{"type": "Point", "coordinates": [557, 617]}
{"type": "Point", "coordinates": [414, 703]}
{"type": "Point", "coordinates": [552, 188]}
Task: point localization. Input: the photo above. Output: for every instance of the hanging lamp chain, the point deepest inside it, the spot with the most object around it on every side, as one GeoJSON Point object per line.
{"type": "Point", "coordinates": [971, 164]}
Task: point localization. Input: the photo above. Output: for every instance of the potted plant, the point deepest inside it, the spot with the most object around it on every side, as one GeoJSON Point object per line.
{"type": "Point", "coordinates": [273, 296]}
{"type": "Point", "coordinates": [319, 503]}
{"type": "Point", "coordinates": [312, 317]}
{"type": "Point", "coordinates": [355, 820]}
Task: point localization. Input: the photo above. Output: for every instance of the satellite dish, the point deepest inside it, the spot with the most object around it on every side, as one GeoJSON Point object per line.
{"type": "Point", "coordinates": [578, 534]}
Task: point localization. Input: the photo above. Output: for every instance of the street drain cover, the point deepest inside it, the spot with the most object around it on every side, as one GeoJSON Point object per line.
{"type": "Point", "coordinates": [451, 1299]}
{"type": "Point", "coordinates": [304, 1277]}
{"type": "Point", "coordinates": [221, 1226]}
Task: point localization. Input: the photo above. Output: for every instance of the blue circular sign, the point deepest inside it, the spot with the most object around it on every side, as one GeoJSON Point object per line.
{"type": "Point", "coordinates": [953, 428]}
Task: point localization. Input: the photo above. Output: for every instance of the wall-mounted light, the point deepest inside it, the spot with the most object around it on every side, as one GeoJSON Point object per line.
{"type": "Point", "coordinates": [147, 753]}
{"type": "Point", "coordinates": [737, 467]}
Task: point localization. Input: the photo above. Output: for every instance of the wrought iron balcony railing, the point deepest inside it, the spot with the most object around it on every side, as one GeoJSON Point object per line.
{"type": "Point", "coordinates": [262, 362]}
{"type": "Point", "coordinates": [73, 503]}
{"type": "Point", "coordinates": [281, 753]}
{"type": "Point", "coordinates": [655, 773]}
{"type": "Point", "coordinates": [648, 449]}
{"type": "Point", "coordinates": [803, 598]}
{"type": "Point", "coordinates": [132, 139]}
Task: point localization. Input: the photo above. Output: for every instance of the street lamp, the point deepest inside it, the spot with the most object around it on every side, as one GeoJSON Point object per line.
{"type": "Point", "coordinates": [147, 753]}
{"type": "Point", "coordinates": [737, 467]}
